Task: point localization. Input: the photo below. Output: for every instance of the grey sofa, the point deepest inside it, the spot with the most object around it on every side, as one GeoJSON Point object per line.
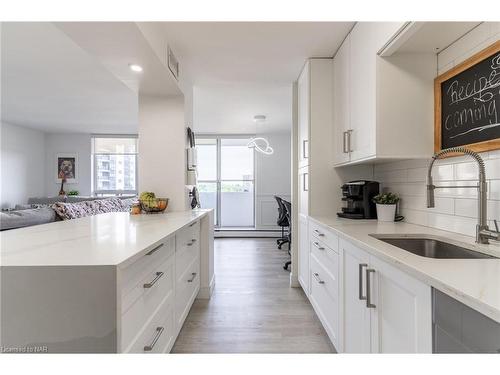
{"type": "Point", "coordinates": [26, 218]}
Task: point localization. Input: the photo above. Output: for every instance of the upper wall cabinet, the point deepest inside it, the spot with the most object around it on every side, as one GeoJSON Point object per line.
{"type": "Point", "coordinates": [383, 106]}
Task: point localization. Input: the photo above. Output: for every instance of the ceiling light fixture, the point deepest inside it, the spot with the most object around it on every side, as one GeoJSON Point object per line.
{"type": "Point", "coordinates": [261, 145]}
{"type": "Point", "coordinates": [135, 68]}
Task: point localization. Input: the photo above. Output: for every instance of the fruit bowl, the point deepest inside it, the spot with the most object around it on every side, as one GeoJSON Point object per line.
{"type": "Point", "coordinates": [154, 204]}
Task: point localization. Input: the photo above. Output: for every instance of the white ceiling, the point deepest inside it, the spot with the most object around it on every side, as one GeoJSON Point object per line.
{"type": "Point", "coordinates": [241, 69]}
{"type": "Point", "coordinates": [49, 83]}
{"type": "Point", "coordinates": [73, 77]}
{"type": "Point", "coordinates": [230, 108]}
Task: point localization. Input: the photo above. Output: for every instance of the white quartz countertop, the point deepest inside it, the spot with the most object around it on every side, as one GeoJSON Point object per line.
{"type": "Point", "coordinates": [474, 282]}
{"type": "Point", "coordinates": [114, 239]}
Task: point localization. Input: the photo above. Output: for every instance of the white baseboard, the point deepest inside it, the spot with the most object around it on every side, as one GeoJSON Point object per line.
{"type": "Point", "coordinates": [206, 291]}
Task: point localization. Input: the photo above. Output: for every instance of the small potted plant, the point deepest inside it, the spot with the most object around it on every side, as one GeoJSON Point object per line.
{"type": "Point", "coordinates": [386, 206]}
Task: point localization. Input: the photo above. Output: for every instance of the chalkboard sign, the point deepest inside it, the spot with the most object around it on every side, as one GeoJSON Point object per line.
{"type": "Point", "coordinates": [467, 103]}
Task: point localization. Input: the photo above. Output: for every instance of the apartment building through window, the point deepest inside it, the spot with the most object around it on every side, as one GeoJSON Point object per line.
{"type": "Point", "coordinates": [114, 164]}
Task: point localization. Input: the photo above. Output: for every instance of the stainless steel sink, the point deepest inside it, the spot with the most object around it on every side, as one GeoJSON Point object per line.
{"type": "Point", "coordinates": [431, 247]}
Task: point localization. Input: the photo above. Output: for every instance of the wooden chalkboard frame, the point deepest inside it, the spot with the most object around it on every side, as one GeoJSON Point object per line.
{"type": "Point", "coordinates": [489, 145]}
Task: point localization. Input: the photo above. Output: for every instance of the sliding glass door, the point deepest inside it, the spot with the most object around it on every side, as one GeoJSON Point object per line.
{"type": "Point", "coordinates": [226, 180]}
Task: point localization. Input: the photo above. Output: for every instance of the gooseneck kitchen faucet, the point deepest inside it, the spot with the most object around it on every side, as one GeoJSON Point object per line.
{"type": "Point", "coordinates": [483, 233]}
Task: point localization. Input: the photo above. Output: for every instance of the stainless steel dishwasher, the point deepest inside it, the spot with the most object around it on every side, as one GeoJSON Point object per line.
{"type": "Point", "coordinates": [456, 328]}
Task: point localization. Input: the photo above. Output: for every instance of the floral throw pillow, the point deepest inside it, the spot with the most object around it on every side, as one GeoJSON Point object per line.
{"type": "Point", "coordinates": [110, 205]}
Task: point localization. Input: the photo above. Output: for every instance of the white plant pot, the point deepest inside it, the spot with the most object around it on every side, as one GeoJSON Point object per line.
{"type": "Point", "coordinates": [386, 212]}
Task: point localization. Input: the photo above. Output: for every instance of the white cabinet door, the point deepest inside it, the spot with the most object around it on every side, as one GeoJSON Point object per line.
{"type": "Point", "coordinates": [304, 191]}
{"type": "Point", "coordinates": [362, 98]}
{"type": "Point", "coordinates": [356, 316]}
{"type": "Point", "coordinates": [303, 241]}
{"type": "Point", "coordinates": [401, 319]}
{"type": "Point", "coordinates": [303, 97]}
{"type": "Point", "coordinates": [341, 109]}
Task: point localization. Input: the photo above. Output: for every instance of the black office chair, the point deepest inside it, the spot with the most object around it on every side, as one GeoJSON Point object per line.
{"type": "Point", "coordinates": [288, 208]}
{"type": "Point", "coordinates": [283, 222]}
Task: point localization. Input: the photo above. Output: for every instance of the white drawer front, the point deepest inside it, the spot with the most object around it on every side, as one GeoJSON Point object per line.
{"type": "Point", "coordinates": [158, 335]}
{"type": "Point", "coordinates": [324, 298]}
{"type": "Point", "coordinates": [186, 235]}
{"type": "Point", "coordinates": [133, 274]}
{"type": "Point", "coordinates": [328, 258]}
{"type": "Point", "coordinates": [187, 250]}
{"type": "Point", "coordinates": [142, 301]}
{"type": "Point", "coordinates": [186, 289]}
{"type": "Point", "coordinates": [323, 234]}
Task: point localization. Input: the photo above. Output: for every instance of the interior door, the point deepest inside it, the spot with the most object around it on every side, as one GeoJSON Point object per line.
{"type": "Point", "coordinates": [303, 94]}
{"type": "Point", "coordinates": [341, 118]}
{"type": "Point", "coordinates": [401, 321]}
{"type": "Point", "coordinates": [356, 315]}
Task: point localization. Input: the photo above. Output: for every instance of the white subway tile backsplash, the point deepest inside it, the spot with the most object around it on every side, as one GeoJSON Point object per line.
{"type": "Point", "coordinates": [466, 207]}
{"type": "Point", "coordinates": [417, 174]}
{"type": "Point", "coordinates": [466, 171]}
{"type": "Point", "coordinates": [442, 205]}
{"type": "Point", "coordinates": [494, 210]}
{"type": "Point", "coordinates": [452, 223]}
{"type": "Point", "coordinates": [493, 169]}
{"type": "Point", "coordinates": [415, 216]}
{"type": "Point", "coordinates": [469, 208]}
{"type": "Point", "coordinates": [442, 172]}
{"type": "Point", "coordinates": [413, 202]}
{"type": "Point", "coordinates": [494, 190]}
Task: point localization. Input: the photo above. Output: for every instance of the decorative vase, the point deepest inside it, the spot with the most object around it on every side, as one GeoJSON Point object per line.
{"type": "Point", "coordinates": [386, 212]}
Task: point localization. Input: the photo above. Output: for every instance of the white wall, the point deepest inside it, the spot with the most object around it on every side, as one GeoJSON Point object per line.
{"type": "Point", "coordinates": [162, 149]}
{"type": "Point", "coordinates": [273, 177]}
{"type": "Point", "coordinates": [79, 144]}
{"type": "Point", "coordinates": [456, 209]}
{"type": "Point", "coordinates": [22, 164]}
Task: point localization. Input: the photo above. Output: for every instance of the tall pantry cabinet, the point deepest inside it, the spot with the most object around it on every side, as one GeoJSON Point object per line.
{"type": "Point", "coordinates": [317, 180]}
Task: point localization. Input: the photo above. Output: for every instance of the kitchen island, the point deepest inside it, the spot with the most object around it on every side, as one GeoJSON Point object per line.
{"type": "Point", "coordinates": [105, 283]}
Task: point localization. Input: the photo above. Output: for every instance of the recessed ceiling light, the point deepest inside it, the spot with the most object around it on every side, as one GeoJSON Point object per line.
{"type": "Point", "coordinates": [135, 68]}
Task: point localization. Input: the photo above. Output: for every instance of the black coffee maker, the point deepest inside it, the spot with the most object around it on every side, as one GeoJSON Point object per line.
{"type": "Point", "coordinates": [358, 198]}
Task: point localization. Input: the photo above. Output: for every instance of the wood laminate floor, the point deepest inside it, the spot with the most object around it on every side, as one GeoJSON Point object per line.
{"type": "Point", "coordinates": [253, 309]}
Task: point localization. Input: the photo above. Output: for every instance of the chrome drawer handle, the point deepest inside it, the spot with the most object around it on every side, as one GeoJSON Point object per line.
{"type": "Point", "coordinates": [319, 233]}
{"type": "Point", "coordinates": [155, 249]}
{"type": "Point", "coordinates": [190, 225]}
{"type": "Point", "coordinates": [153, 282]}
{"type": "Point", "coordinates": [192, 278]}
{"type": "Point", "coordinates": [360, 281]}
{"type": "Point", "coordinates": [159, 331]}
{"type": "Point", "coordinates": [192, 242]}
{"type": "Point", "coordinates": [305, 154]}
{"type": "Point", "coordinates": [318, 246]}
{"type": "Point", "coordinates": [316, 276]}
{"type": "Point", "coordinates": [369, 303]}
